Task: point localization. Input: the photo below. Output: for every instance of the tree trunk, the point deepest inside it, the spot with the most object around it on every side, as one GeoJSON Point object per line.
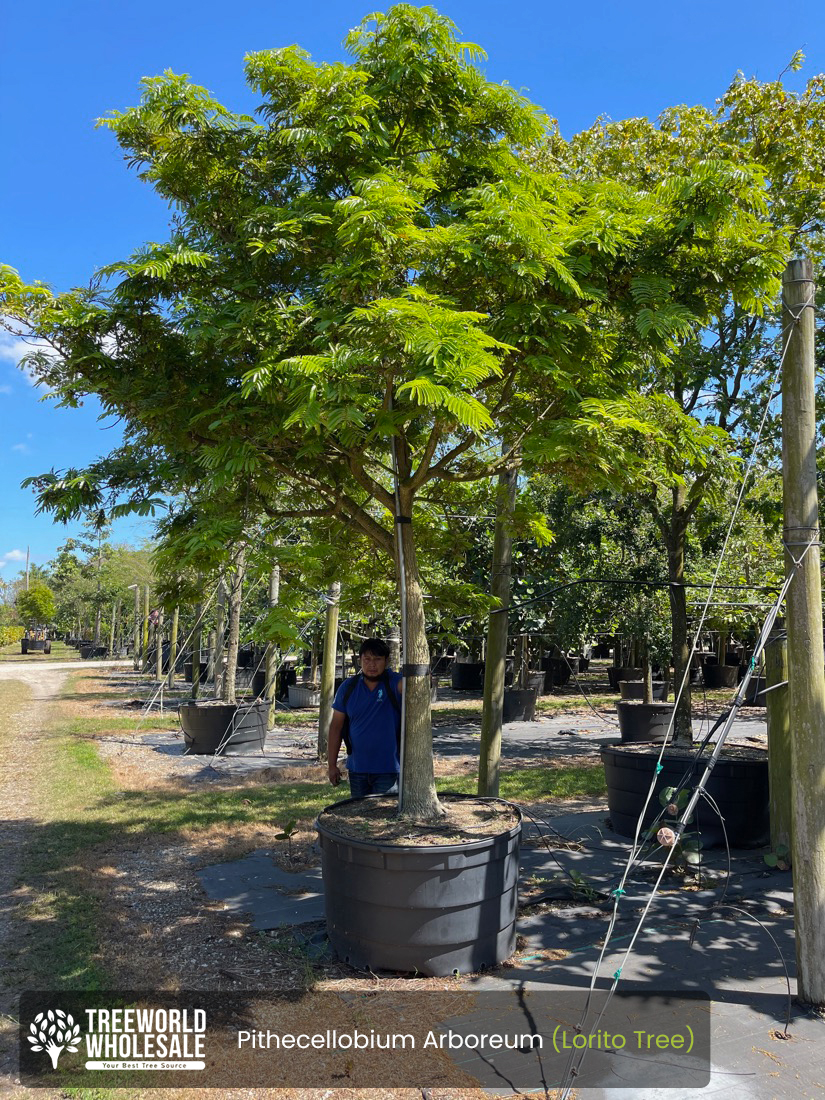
{"type": "Point", "coordinates": [418, 799]}
{"type": "Point", "coordinates": [235, 601]}
{"type": "Point", "coordinates": [113, 627]}
{"type": "Point", "coordinates": [497, 629]}
{"type": "Point", "coordinates": [328, 667]}
{"type": "Point", "coordinates": [98, 618]}
{"type": "Point", "coordinates": [647, 676]}
{"type": "Point", "coordinates": [173, 647]}
{"type": "Point", "coordinates": [197, 635]}
{"type": "Point", "coordinates": [676, 536]}
{"type": "Point", "coordinates": [394, 642]}
{"type": "Point", "coordinates": [219, 671]}
{"type": "Point", "coordinates": [271, 665]}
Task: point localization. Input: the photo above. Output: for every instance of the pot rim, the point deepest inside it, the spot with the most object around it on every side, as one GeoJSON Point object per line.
{"type": "Point", "coordinates": [449, 849]}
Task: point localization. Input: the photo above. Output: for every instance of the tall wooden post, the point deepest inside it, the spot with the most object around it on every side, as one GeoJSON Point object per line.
{"type": "Point", "coordinates": [220, 629]}
{"type": "Point", "coordinates": [136, 633]}
{"type": "Point", "coordinates": [197, 636]}
{"type": "Point", "coordinates": [806, 680]}
{"type": "Point", "coordinates": [271, 687]}
{"type": "Point", "coordinates": [159, 647]}
{"type": "Point", "coordinates": [173, 648]}
{"type": "Point", "coordinates": [145, 631]}
{"type": "Point", "coordinates": [328, 667]}
{"type": "Point", "coordinates": [779, 735]}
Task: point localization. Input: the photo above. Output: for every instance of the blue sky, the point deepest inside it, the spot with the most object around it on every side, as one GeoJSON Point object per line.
{"type": "Point", "coordinates": [68, 203]}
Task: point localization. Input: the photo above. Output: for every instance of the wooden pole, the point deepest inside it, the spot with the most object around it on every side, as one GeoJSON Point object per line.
{"type": "Point", "coordinates": [145, 647]}
{"type": "Point", "coordinates": [136, 632]}
{"type": "Point", "coordinates": [806, 680]}
{"type": "Point", "coordinates": [159, 647]}
{"type": "Point", "coordinates": [328, 667]}
{"type": "Point", "coordinates": [271, 687]}
{"type": "Point", "coordinates": [197, 636]}
{"type": "Point", "coordinates": [779, 736]}
{"type": "Point", "coordinates": [173, 648]}
{"type": "Point", "coordinates": [220, 629]}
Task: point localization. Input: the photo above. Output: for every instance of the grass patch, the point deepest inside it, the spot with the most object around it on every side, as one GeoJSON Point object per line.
{"type": "Point", "coordinates": [537, 784]}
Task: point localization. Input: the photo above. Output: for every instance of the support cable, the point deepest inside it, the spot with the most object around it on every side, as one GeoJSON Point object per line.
{"type": "Point", "coordinates": [577, 1057]}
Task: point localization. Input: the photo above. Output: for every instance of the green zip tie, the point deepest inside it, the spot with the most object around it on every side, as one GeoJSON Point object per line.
{"type": "Point", "coordinates": [617, 893]}
{"type": "Point", "coordinates": [658, 768]}
{"type": "Point", "coordinates": [618, 974]}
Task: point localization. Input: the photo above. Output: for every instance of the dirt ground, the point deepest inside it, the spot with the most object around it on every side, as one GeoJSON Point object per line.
{"type": "Point", "coordinates": [156, 928]}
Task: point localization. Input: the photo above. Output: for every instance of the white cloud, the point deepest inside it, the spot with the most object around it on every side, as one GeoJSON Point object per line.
{"type": "Point", "coordinates": [5, 389]}
{"type": "Point", "coordinates": [21, 448]}
{"type": "Point", "coordinates": [12, 350]}
{"type": "Point", "coordinates": [11, 556]}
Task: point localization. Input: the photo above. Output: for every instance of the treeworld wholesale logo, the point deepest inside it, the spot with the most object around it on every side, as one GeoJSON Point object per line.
{"type": "Point", "coordinates": [112, 1039]}
{"type": "Point", "coordinates": [54, 1031]}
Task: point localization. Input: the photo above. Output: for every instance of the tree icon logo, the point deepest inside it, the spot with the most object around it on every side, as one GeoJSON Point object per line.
{"type": "Point", "coordinates": [54, 1031]}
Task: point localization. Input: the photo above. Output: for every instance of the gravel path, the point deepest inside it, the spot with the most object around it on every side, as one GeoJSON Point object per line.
{"type": "Point", "coordinates": [21, 732]}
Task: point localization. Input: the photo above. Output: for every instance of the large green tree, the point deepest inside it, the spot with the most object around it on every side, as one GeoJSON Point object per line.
{"type": "Point", "coordinates": [366, 287]}
{"type": "Point", "coordinates": [720, 379]}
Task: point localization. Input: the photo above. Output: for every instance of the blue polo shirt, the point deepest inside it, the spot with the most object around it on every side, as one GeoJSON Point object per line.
{"type": "Point", "coordinates": [374, 723]}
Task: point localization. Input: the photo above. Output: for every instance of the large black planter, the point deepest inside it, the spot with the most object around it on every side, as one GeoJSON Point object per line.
{"type": "Point", "coordinates": [720, 676]}
{"type": "Point", "coordinates": [87, 650]}
{"type": "Point", "coordinates": [519, 705]}
{"type": "Point", "coordinates": [468, 677]}
{"type": "Point", "coordinates": [616, 675]}
{"type": "Point", "coordinates": [224, 728]}
{"type": "Point", "coordinates": [738, 784]}
{"type": "Point", "coordinates": [643, 721]}
{"type": "Point", "coordinates": [635, 689]}
{"type": "Point", "coordinates": [754, 696]}
{"type": "Point", "coordinates": [433, 910]}
{"type": "Point", "coordinates": [189, 671]}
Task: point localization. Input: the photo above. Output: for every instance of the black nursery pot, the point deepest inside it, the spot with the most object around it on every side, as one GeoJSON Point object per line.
{"type": "Point", "coordinates": [211, 728]}
{"type": "Point", "coordinates": [519, 705]}
{"type": "Point", "coordinates": [433, 910]}
{"type": "Point", "coordinates": [643, 721]}
{"type": "Point", "coordinates": [721, 676]}
{"type": "Point", "coordinates": [468, 677]}
{"type": "Point", "coordinates": [738, 784]}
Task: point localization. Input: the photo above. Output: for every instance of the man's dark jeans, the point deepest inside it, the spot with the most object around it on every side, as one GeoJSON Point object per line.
{"type": "Point", "coordinates": [364, 783]}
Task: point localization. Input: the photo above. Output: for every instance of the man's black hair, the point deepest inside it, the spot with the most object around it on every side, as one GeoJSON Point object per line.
{"type": "Point", "coordinates": [376, 646]}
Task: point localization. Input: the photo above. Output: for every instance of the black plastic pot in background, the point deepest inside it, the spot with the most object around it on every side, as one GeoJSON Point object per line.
{"type": "Point", "coordinates": [635, 689]}
{"type": "Point", "coordinates": [468, 677]}
{"type": "Point", "coordinates": [431, 910]}
{"type": "Point", "coordinates": [616, 675]}
{"type": "Point", "coordinates": [189, 671]}
{"type": "Point", "coordinates": [643, 721]}
{"type": "Point", "coordinates": [224, 728]}
{"type": "Point", "coordinates": [738, 786]}
{"type": "Point", "coordinates": [720, 676]}
{"type": "Point", "coordinates": [519, 705]}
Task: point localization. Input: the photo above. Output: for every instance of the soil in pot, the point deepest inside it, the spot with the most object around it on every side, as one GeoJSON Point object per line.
{"type": "Point", "coordinates": [427, 899]}
{"type": "Point", "coordinates": [635, 689]}
{"type": "Point", "coordinates": [643, 721]}
{"type": "Point", "coordinates": [212, 727]}
{"type": "Point", "coordinates": [519, 705]}
{"type": "Point", "coordinates": [738, 784]}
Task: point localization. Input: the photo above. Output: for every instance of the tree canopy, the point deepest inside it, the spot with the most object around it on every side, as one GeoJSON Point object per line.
{"type": "Point", "coordinates": [370, 278]}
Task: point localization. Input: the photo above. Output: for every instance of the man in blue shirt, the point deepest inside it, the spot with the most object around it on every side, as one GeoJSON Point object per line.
{"type": "Point", "coordinates": [374, 724]}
